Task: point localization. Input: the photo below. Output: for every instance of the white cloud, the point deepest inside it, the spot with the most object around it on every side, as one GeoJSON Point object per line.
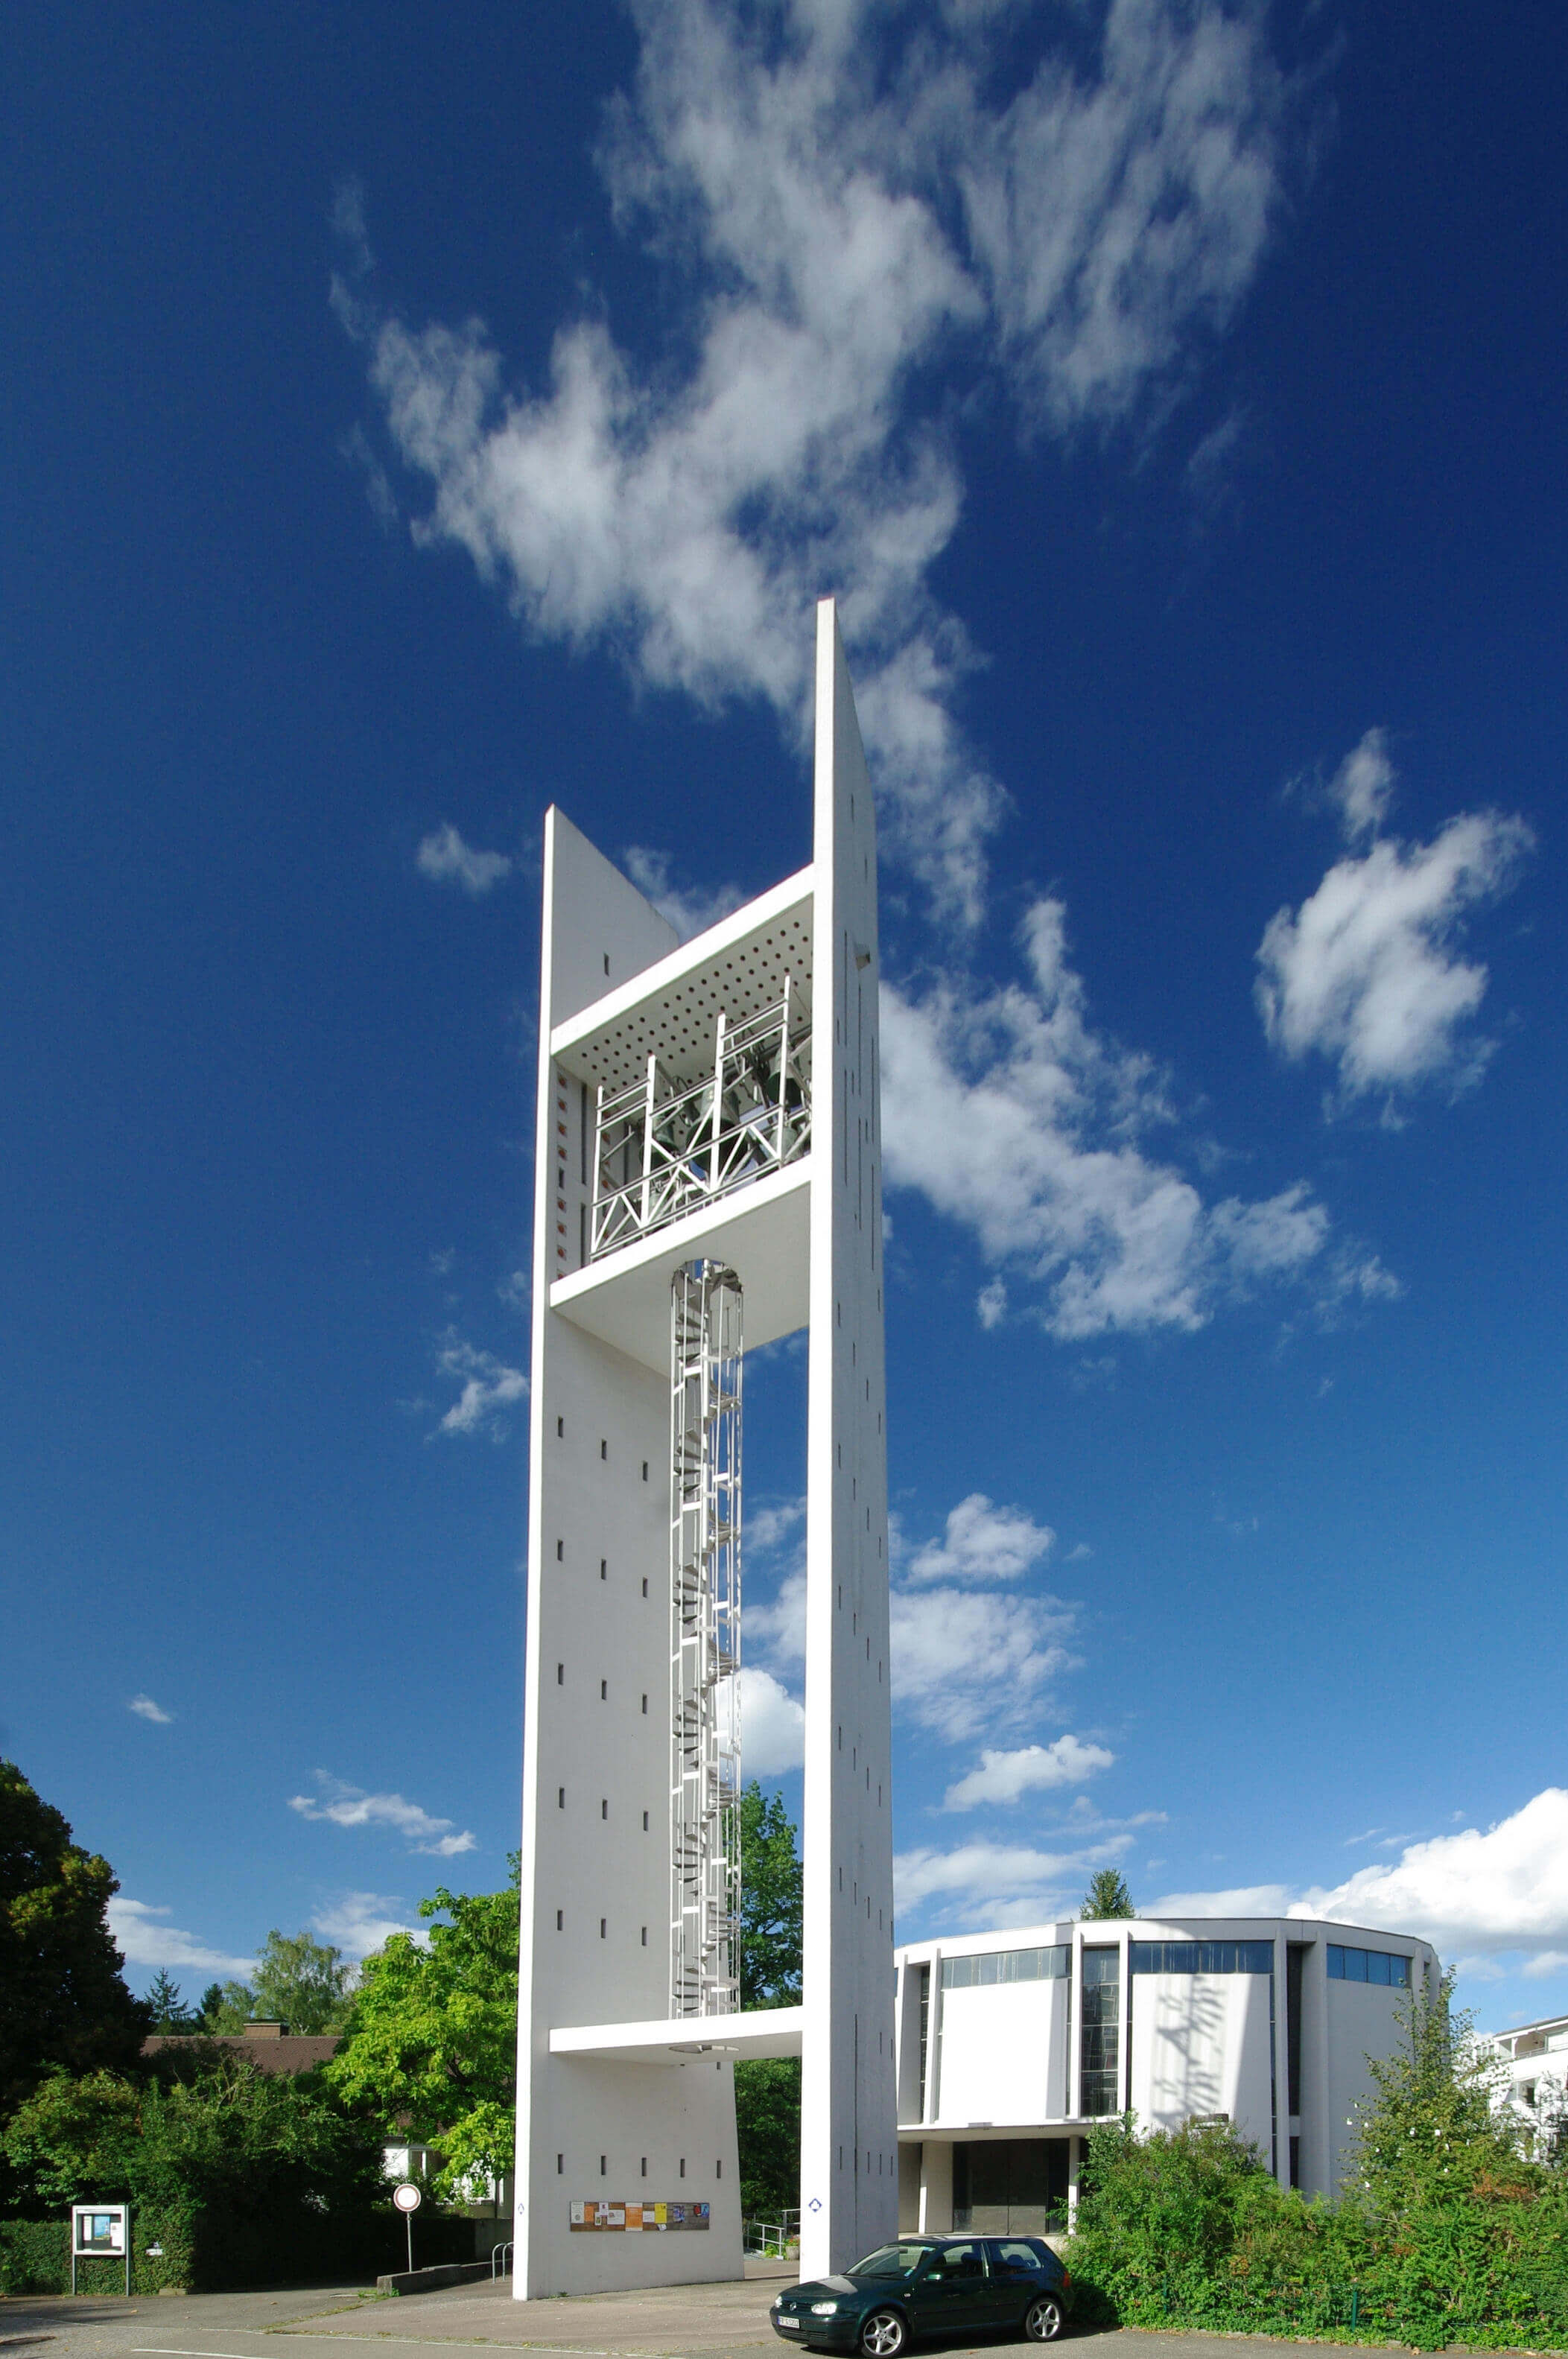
{"type": "Point", "coordinates": [489, 1386]}
{"type": "Point", "coordinates": [1504, 1889]}
{"type": "Point", "coordinates": [350, 1805]}
{"type": "Point", "coordinates": [1548, 1961]}
{"type": "Point", "coordinates": [689, 908]}
{"type": "Point", "coordinates": [983, 1542]}
{"type": "Point", "coordinates": [362, 1921]}
{"type": "Point", "coordinates": [966, 1663]}
{"type": "Point", "coordinates": [145, 1709]}
{"type": "Point", "coordinates": [356, 448]}
{"type": "Point", "coordinates": [991, 1303]}
{"type": "Point", "coordinates": [849, 202]}
{"type": "Point", "coordinates": [1211, 465]}
{"type": "Point", "coordinates": [1033, 1768]}
{"type": "Point", "coordinates": [446, 860]}
{"type": "Point", "coordinates": [1362, 788]}
{"type": "Point", "coordinates": [1012, 1114]}
{"type": "Point", "coordinates": [777, 1626]}
{"type": "Point", "coordinates": [138, 1928]}
{"type": "Point", "coordinates": [1368, 971]}
{"type": "Point", "coordinates": [772, 1725]}
{"type": "Point", "coordinates": [997, 1883]}
{"type": "Point", "coordinates": [772, 1528]}
{"type": "Point", "coordinates": [1115, 219]}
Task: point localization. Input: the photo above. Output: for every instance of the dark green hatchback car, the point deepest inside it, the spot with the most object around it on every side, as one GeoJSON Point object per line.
{"type": "Point", "coordinates": [955, 2287]}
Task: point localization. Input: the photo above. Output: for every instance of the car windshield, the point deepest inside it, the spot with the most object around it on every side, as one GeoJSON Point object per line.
{"type": "Point", "coordinates": [891, 2261]}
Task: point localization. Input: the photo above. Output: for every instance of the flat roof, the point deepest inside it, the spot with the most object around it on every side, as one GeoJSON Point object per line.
{"type": "Point", "coordinates": [1181, 1928]}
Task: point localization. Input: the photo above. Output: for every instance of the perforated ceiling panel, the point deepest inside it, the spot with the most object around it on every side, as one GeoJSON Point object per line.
{"type": "Point", "coordinates": [680, 1025]}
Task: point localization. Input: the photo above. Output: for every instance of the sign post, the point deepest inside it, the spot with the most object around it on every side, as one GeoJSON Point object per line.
{"type": "Point", "coordinates": [407, 2197]}
{"type": "Point", "coordinates": [100, 2232]}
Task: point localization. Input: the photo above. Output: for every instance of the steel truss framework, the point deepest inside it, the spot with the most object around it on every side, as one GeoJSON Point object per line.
{"type": "Point", "coordinates": [704, 1639]}
{"type": "Point", "coordinates": [661, 1148]}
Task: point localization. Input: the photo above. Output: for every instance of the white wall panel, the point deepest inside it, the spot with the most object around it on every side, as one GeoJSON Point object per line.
{"type": "Point", "coordinates": [1201, 2045]}
{"type": "Point", "coordinates": [1363, 2019]}
{"type": "Point", "coordinates": [999, 2046]}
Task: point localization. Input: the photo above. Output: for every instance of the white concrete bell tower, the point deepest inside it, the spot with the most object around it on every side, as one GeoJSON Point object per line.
{"type": "Point", "coordinates": [709, 1177]}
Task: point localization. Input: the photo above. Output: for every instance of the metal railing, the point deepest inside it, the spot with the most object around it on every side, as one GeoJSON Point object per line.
{"type": "Point", "coordinates": [774, 2240]}
{"type": "Point", "coordinates": [662, 1150]}
{"type": "Point", "coordinates": [499, 2264]}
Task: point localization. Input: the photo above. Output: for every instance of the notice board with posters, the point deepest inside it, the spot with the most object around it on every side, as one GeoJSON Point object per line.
{"type": "Point", "coordinates": [636, 2219]}
{"type": "Point", "coordinates": [101, 2231]}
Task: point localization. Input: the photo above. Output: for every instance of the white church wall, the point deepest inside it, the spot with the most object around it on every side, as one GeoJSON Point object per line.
{"type": "Point", "coordinates": [1202, 2044]}
{"type": "Point", "coordinates": [1003, 2052]}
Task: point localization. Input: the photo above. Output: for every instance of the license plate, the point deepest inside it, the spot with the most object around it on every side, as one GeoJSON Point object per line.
{"type": "Point", "coordinates": [792, 2324]}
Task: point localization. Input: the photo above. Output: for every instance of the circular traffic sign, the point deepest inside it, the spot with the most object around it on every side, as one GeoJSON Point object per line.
{"type": "Point", "coordinates": [406, 2196]}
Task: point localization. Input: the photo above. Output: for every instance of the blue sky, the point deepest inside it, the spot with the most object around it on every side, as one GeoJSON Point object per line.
{"type": "Point", "coordinates": [411, 422]}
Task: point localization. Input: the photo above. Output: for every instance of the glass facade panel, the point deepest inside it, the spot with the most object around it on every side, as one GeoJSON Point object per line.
{"type": "Point", "coordinates": [1005, 1967]}
{"type": "Point", "coordinates": [1203, 1957]}
{"type": "Point", "coordinates": [1010, 2186]}
{"type": "Point", "coordinates": [1100, 2060]}
{"type": "Point", "coordinates": [1347, 1965]}
{"type": "Point", "coordinates": [1294, 1957]}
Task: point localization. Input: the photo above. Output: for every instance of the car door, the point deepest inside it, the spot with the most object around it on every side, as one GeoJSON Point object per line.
{"type": "Point", "coordinates": [1016, 2275]}
{"type": "Point", "coordinates": [951, 2294]}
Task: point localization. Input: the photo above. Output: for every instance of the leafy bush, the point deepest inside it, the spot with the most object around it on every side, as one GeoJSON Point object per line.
{"type": "Point", "coordinates": [240, 2176]}
{"type": "Point", "coordinates": [1443, 2232]}
{"type": "Point", "coordinates": [1461, 2234]}
{"type": "Point", "coordinates": [35, 2256]}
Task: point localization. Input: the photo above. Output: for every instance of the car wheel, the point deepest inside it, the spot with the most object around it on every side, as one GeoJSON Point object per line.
{"type": "Point", "coordinates": [1042, 2319]}
{"type": "Point", "coordinates": [884, 2334]}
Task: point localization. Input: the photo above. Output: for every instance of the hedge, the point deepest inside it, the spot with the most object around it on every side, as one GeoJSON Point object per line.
{"type": "Point", "coordinates": [214, 2253]}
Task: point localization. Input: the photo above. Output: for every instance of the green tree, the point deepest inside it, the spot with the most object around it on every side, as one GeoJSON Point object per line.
{"type": "Point", "coordinates": [431, 2039]}
{"type": "Point", "coordinates": [767, 2088]}
{"type": "Point", "coordinates": [75, 2137]}
{"type": "Point", "coordinates": [258, 2163]}
{"type": "Point", "coordinates": [169, 2011]}
{"type": "Point", "coordinates": [770, 1902]}
{"type": "Point", "coordinates": [66, 2002]}
{"type": "Point", "coordinates": [302, 1982]}
{"type": "Point", "coordinates": [227, 2007]}
{"type": "Point", "coordinates": [1106, 1898]}
{"type": "Point", "coordinates": [1432, 2123]}
{"type": "Point", "coordinates": [1451, 2208]}
{"type": "Point", "coordinates": [767, 2132]}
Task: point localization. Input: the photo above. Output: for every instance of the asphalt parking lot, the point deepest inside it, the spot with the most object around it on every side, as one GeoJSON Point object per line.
{"type": "Point", "coordinates": [675, 2322]}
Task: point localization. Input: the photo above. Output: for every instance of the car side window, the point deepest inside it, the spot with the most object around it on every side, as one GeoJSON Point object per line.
{"type": "Point", "coordinates": [962, 2261]}
{"type": "Point", "coordinates": [1016, 2260]}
